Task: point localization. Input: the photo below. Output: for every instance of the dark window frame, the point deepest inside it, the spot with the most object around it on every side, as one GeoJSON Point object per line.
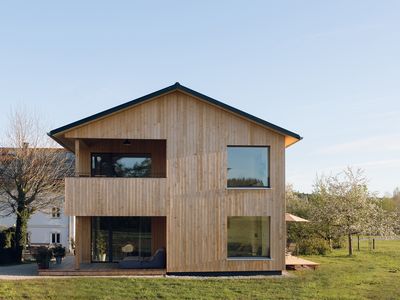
{"type": "Point", "coordinates": [108, 221]}
{"type": "Point", "coordinates": [268, 186]}
{"type": "Point", "coordinates": [122, 154]}
{"type": "Point", "coordinates": [56, 238]}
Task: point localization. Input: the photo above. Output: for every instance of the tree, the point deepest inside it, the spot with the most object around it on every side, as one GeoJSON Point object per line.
{"type": "Point", "coordinates": [297, 203]}
{"type": "Point", "coordinates": [396, 198]}
{"type": "Point", "coordinates": [379, 222]}
{"type": "Point", "coordinates": [308, 237]}
{"type": "Point", "coordinates": [344, 203]}
{"type": "Point", "coordinates": [31, 173]}
{"type": "Point", "coordinates": [386, 219]}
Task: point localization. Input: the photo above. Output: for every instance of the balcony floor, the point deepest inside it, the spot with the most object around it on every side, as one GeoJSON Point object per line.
{"type": "Point", "coordinates": [67, 268]}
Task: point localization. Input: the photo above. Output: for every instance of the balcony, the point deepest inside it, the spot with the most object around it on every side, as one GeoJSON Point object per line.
{"type": "Point", "coordinates": [120, 158]}
{"type": "Point", "coordinates": [117, 177]}
{"type": "Point", "coordinates": [102, 196]}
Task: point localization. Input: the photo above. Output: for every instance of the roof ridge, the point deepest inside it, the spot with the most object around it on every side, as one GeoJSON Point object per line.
{"type": "Point", "coordinates": [175, 86]}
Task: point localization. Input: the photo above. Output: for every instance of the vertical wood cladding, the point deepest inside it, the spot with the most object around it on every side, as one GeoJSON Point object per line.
{"type": "Point", "coordinates": [193, 196]}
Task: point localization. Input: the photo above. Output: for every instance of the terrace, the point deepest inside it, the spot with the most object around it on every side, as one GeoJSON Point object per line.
{"type": "Point", "coordinates": [67, 267]}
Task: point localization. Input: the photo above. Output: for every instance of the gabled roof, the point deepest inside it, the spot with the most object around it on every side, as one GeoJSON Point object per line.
{"type": "Point", "coordinates": [175, 87]}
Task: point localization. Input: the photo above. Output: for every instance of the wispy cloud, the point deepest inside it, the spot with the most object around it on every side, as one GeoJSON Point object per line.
{"type": "Point", "coordinates": [383, 115]}
{"type": "Point", "coordinates": [379, 163]}
{"type": "Point", "coordinates": [304, 180]}
{"type": "Point", "coordinates": [349, 31]}
{"type": "Point", "coordinates": [376, 143]}
{"type": "Point", "coordinates": [367, 165]}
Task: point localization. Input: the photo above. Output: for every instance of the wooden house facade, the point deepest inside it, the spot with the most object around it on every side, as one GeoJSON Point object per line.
{"type": "Point", "coordinates": [179, 170]}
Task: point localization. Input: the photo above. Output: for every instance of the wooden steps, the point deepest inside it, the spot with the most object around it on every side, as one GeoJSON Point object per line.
{"type": "Point", "coordinates": [295, 263]}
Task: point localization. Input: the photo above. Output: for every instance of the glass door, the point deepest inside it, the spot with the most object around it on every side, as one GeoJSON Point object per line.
{"type": "Point", "coordinates": [125, 238]}
{"type": "Point", "coordinates": [114, 238]}
{"type": "Point", "coordinates": [100, 239]}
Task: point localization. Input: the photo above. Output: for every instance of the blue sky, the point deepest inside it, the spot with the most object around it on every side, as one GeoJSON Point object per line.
{"type": "Point", "coordinates": [327, 70]}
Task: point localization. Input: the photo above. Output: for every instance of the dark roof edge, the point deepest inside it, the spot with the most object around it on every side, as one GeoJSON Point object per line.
{"type": "Point", "coordinates": [60, 142]}
{"type": "Point", "coordinates": [240, 112]}
{"type": "Point", "coordinates": [176, 86]}
{"type": "Point", "coordinates": [113, 109]}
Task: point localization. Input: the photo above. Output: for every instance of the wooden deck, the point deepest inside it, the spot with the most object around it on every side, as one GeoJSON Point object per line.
{"type": "Point", "coordinates": [66, 268]}
{"type": "Point", "coordinates": [295, 263]}
{"type": "Point", "coordinates": [111, 269]}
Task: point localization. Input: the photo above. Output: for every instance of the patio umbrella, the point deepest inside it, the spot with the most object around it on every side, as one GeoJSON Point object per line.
{"type": "Point", "coordinates": [293, 218]}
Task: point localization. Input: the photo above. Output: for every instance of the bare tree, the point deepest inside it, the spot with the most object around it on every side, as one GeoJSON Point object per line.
{"type": "Point", "coordinates": [31, 173]}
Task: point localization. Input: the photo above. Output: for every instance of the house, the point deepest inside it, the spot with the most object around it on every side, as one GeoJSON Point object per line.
{"type": "Point", "coordinates": [49, 225]}
{"type": "Point", "coordinates": [178, 170]}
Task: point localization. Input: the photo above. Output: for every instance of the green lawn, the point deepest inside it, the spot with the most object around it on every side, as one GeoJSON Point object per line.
{"type": "Point", "coordinates": [366, 275]}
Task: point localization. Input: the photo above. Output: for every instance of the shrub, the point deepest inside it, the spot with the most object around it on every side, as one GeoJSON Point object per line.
{"type": "Point", "coordinates": [43, 256]}
{"type": "Point", "coordinates": [8, 256]}
{"type": "Point", "coordinates": [312, 246]}
{"type": "Point", "coordinates": [7, 237]}
{"type": "Point", "coordinates": [296, 232]}
{"type": "Point", "coordinates": [59, 251]}
{"type": "Point", "coordinates": [8, 253]}
{"type": "Point", "coordinates": [339, 242]}
{"type": "Point", "coordinates": [72, 242]}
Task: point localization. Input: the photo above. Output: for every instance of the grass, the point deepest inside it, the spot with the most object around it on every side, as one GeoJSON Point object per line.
{"type": "Point", "coordinates": [366, 275]}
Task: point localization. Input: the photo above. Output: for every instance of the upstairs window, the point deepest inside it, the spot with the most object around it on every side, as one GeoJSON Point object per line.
{"type": "Point", "coordinates": [55, 212]}
{"type": "Point", "coordinates": [248, 167]}
{"type": "Point", "coordinates": [121, 165]}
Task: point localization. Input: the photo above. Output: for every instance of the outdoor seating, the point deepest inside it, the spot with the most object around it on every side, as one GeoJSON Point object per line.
{"type": "Point", "coordinates": [157, 261]}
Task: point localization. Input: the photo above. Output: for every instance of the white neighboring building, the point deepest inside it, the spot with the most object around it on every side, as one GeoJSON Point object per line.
{"type": "Point", "coordinates": [45, 228]}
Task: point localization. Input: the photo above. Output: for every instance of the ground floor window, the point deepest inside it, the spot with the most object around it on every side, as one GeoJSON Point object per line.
{"type": "Point", "coordinates": [114, 238]}
{"type": "Point", "coordinates": [55, 238]}
{"type": "Point", "coordinates": [249, 237]}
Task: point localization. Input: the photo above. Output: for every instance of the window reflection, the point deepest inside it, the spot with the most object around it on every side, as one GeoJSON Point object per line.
{"type": "Point", "coordinates": [248, 166]}
{"type": "Point", "coordinates": [114, 238]}
{"type": "Point", "coordinates": [121, 165]}
{"type": "Point", "coordinates": [248, 236]}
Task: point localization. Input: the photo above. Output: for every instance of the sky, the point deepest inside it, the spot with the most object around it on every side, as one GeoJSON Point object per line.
{"type": "Point", "coordinates": [328, 70]}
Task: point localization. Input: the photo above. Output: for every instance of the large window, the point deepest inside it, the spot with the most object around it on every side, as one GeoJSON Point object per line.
{"type": "Point", "coordinates": [248, 237]}
{"type": "Point", "coordinates": [114, 238]}
{"type": "Point", "coordinates": [248, 167]}
{"type": "Point", "coordinates": [121, 165]}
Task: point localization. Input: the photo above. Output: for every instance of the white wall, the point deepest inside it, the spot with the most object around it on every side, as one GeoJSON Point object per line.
{"type": "Point", "coordinates": [41, 225]}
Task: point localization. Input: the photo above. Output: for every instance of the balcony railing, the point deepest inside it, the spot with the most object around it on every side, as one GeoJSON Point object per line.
{"type": "Point", "coordinates": [115, 196]}
{"type": "Point", "coordinates": [152, 175]}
